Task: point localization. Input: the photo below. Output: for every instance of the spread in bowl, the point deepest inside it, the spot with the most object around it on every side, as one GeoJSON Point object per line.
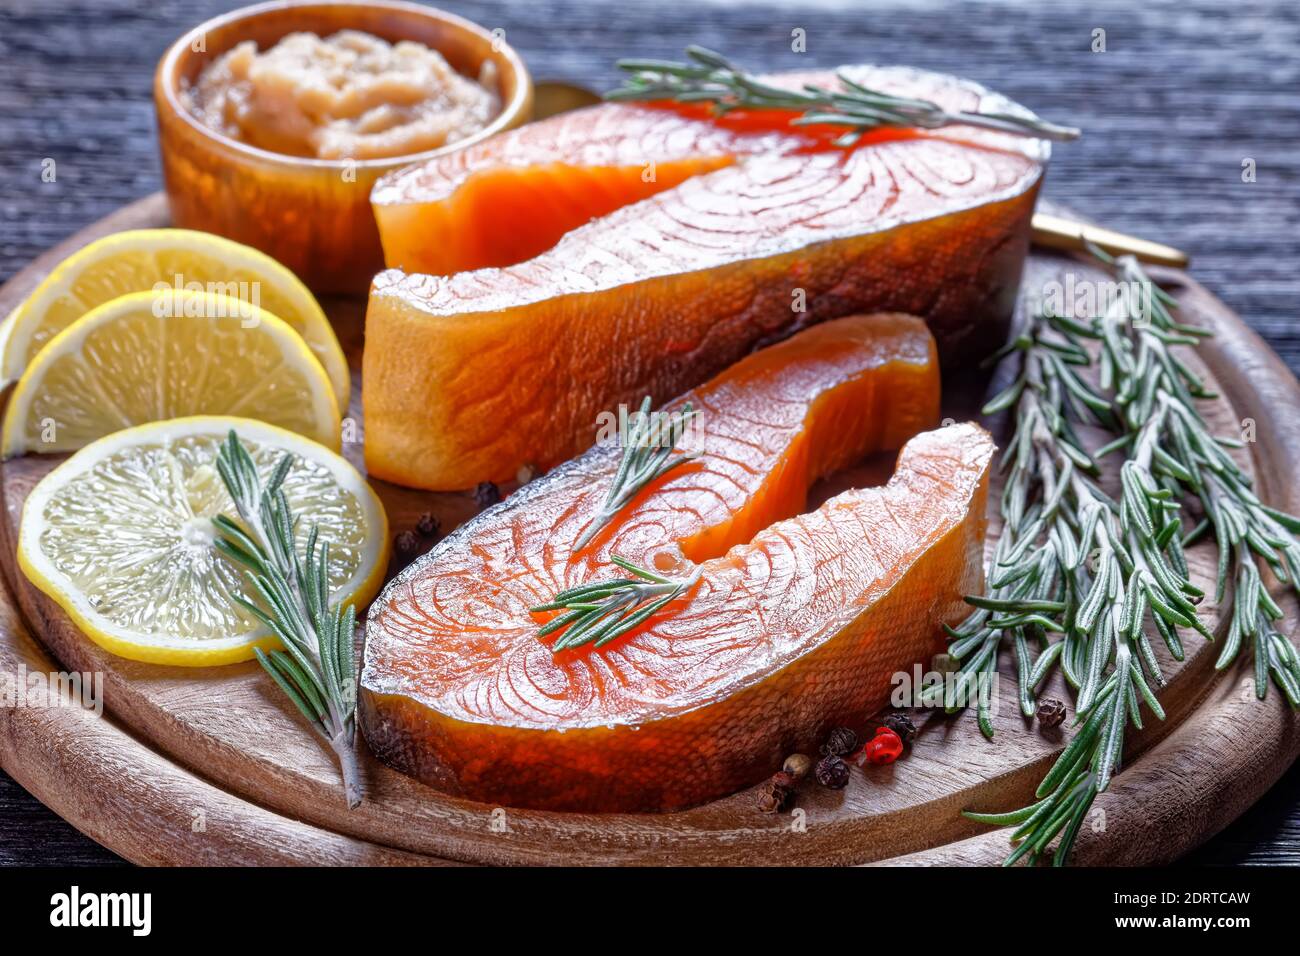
{"type": "Point", "coordinates": [351, 95]}
{"type": "Point", "coordinates": [276, 120]}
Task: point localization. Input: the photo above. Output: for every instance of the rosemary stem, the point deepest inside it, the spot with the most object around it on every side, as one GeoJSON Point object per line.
{"type": "Point", "coordinates": [344, 746]}
{"type": "Point", "coordinates": [713, 79]}
{"type": "Point", "coordinates": [599, 613]}
{"type": "Point", "coordinates": [315, 666]}
{"type": "Point", "coordinates": [1042, 128]}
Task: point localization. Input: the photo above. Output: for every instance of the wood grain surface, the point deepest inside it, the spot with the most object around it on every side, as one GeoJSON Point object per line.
{"type": "Point", "coordinates": [248, 743]}
{"type": "Point", "coordinates": [1183, 94]}
{"type": "Point", "coordinates": [144, 805]}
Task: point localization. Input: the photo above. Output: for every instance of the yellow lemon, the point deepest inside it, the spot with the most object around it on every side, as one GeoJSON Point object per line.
{"type": "Point", "coordinates": [148, 357]}
{"type": "Point", "coordinates": [121, 537]}
{"type": "Point", "coordinates": [144, 260]}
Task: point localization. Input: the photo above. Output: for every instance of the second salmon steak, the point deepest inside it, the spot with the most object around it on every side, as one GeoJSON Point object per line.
{"type": "Point", "coordinates": [790, 623]}
{"type": "Point", "coordinates": [590, 259]}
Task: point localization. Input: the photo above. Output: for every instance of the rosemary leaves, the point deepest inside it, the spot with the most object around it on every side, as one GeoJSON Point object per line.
{"type": "Point", "coordinates": [1161, 412]}
{"type": "Point", "coordinates": [315, 669]}
{"type": "Point", "coordinates": [1083, 579]}
{"type": "Point", "coordinates": [709, 77]}
{"type": "Point", "coordinates": [602, 611]}
{"type": "Point", "coordinates": [647, 456]}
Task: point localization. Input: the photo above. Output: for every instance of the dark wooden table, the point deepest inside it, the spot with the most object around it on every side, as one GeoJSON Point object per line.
{"type": "Point", "coordinates": [1183, 95]}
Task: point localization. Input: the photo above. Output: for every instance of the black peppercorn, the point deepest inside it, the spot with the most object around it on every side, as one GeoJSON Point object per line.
{"type": "Point", "coordinates": [832, 772]}
{"type": "Point", "coordinates": [406, 544]}
{"type": "Point", "coordinates": [486, 494]}
{"type": "Point", "coordinates": [775, 795]}
{"type": "Point", "coordinates": [902, 725]}
{"type": "Point", "coordinates": [427, 525]}
{"type": "Point", "coordinates": [1050, 712]}
{"type": "Point", "coordinates": [839, 742]}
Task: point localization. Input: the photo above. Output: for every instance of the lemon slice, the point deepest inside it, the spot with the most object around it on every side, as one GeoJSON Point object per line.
{"type": "Point", "coordinates": [6, 327]}
{"type": "Point", "coordinates": [120, 536]}
{"type": "Point", "coordinates": [143, 260]}
{"type": "Point", "coordinates": [144, 357]}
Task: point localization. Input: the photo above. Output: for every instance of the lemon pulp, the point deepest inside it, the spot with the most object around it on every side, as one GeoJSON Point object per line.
{"type": "Point", "coordinates": [128, 362]}
{"type": "Point", "coordinates": [142, 259]}
{"type": "Point", "coordinates": [121, 536]}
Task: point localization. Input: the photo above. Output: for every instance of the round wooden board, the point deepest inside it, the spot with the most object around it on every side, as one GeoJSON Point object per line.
{"type": "Point", "coordinates": [213, 765]}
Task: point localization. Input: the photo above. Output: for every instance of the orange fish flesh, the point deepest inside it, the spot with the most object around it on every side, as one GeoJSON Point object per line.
{"type": "Point", "coordinates": [794, 623]}
{"type": "Point", "coordinates": [558, 270]}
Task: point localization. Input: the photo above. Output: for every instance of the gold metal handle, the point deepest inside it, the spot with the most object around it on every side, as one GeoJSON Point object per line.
{"type": "Point", "coordinates": [1057, 233]}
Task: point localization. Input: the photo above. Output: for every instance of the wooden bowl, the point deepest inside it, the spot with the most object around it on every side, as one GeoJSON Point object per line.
{"type": "Point", "coordinates": [311, 214]}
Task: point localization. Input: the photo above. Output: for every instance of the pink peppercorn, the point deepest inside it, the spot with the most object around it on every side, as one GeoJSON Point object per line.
{"type": "Point", "coordinates": [885, 747]}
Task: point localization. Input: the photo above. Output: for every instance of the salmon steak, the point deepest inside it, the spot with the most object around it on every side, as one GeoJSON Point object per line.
{"type": "Point", "coordinates": [558, 270]}
{"type": "Point", "coordinates": [789, 623]}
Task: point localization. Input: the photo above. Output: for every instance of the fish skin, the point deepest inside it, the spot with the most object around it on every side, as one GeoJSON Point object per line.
{"type": "Point", "coordinates": [796, 625]}
{"type": "Point", "coordinates": [470, 376]}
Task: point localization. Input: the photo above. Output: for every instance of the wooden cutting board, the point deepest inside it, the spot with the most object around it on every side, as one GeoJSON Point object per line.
{"type": "Point", "coordinates": [213, 766]}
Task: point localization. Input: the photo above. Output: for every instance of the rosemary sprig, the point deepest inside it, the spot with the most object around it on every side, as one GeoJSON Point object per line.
{"type": "Point", "coordinates": [709, 77]}
{"type": "Point", "coordinates": [316, 668]}
{"type": "Point", "coordinates": [1193, 463]}
{"type": "Point", "coordinates": [646, 457]}
{"type": "Point", "coordinates": [1044, 490]}
{"type": "Point", "coordinates": [1073, 561]}
{"type": "Point", "coordinates": [598, 613]}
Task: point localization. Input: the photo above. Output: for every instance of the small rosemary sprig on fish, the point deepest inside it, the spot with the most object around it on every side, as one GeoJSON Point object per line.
{"type": "Point", "coordinates": [603, 611]}
{"type": "Point", "coordinates": [315, 669]}
{"type": "Point", "coordinates": [647, 456]}
{"type": "Point", "coordinates": [1073, 561]}
{"type": "Point", "coordinates": [709, 77]}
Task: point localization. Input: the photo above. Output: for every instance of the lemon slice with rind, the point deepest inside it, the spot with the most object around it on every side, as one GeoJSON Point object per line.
{"type": "Point", "coordinates": [121, 537]}
{"type": "Point", "coordinates": [141, 260]}
{"type": "Point", "coordinates": [142, 358]}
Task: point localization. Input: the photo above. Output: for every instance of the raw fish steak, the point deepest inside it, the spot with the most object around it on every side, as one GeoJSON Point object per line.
{"type": "Point", "coordinates": [795, 622]}
{"type": "Point", "coordinates": [560, 269]}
